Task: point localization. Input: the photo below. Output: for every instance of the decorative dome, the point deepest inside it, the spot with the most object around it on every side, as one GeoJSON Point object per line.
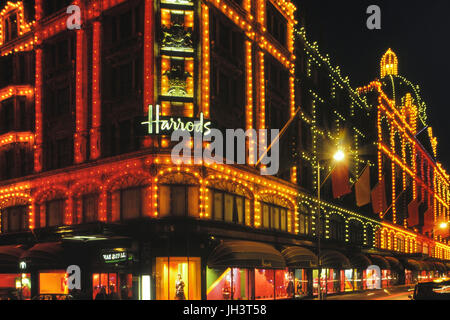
{"type": "Point", "coordinates": [389, 64]}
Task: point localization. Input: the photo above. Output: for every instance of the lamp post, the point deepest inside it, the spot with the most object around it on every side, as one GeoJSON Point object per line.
{"type": "Point", "coordinates": [338, 156]}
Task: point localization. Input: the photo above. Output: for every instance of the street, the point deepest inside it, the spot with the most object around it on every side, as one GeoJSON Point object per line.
{"type": "Point", "coordinates": [395, 293]}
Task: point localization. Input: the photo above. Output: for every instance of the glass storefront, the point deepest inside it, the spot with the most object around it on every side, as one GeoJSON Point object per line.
{"type": "Point", "coordinates": [350, 280]}
{"type": "Point", "coordinates": [301, 282]}
{"type": "Point", "coordinates": [372, 278]}
{"type": "Point", "coordinates": [112, 286]}
{"type": "Point", "coordinates": [228, 284]}
{"type": "Point", "coordinates": [329, 281]}
{"type": "Point", "coordinates": [53, 282]}
{"type": "Point", "coordinates": [15, 285]}
{"type": "Point", "coordinates": [238, 284]}
{"type": "Point", "coordinates": [178, 278]}
{"type": "Point", "coordinates": [386, 279]}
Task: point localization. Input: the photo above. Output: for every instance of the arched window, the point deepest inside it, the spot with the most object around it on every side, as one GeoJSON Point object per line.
{"type": "Point", "coordinates": [86, 208]}
{"type": "Point", "coordinates": [337, 227]}
{"type": "Point", "coordinates": [14, 219]}
{"type": "Point", "coordinates": [229, 202]}
{"type": "Point", "coordinates": [274, 217]}
{"type": "Point", "coordinates": [54, 212]}
{"type": "Point", "coordinates": [305, 220]}
{"type": "Point", "coordinates": [356, 232]}
{"type": "Point", "coordinates": [179, 200]}
{"type": "Point", "coordinates": [400, 243]}
{"type": "Point", "coordinates": [369, 236]}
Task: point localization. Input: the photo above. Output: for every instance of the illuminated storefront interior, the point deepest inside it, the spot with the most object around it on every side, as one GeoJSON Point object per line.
{"type": "Point", "coordinates": [178, 278]}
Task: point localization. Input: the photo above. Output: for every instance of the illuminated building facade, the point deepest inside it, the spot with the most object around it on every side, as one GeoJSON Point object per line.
{"type": "Point", "coordinates": [81, 186]}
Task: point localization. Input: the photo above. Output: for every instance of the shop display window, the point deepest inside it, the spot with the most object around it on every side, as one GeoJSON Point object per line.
{"type": "Point", "coordinates": [228, 284]}
{"type": "Point", "coordinates": [264, 284]}
{"type": "Point", "coordinates": [53, 282]}
{"type": "Point", "coordinates": [20, 282]}
{"type": "Point", "coordinates": [284, 284]}
{"type": "Point", "coordinates": [385, 278]}
{"type": "Point", "coordinates": [301, 282]}
{"type": "Point", "coordinates": [178, 278]}
{"type": "Point", "coordinates": [373, 278]}
{"type": "Point", "coordinates": [332, 281]}
{"type": "Point", "coordinates": [347, 283]}
{"type": "Point", "coordinates": [112, 286]}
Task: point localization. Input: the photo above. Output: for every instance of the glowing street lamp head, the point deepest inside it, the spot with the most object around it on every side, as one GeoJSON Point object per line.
{"type": "Point", "coordinates": [339, 156]}
{"type": "Point", "coordinates": [443, 225]}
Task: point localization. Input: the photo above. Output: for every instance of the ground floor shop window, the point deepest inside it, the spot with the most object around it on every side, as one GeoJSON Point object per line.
{"type": "Point", "coordinates": [53, 282]}
{"type": "Point", "coordinates": [301, 282]}
{"type": "Point", "coordinates": [228, 284]}
{"type": "Point", "coordinates": [409, 279]}
{"type": "Point", "coordinates": [273, 284]}
{"type": "Point", "coordinates": [386, 278]}
{"type": "Point", "coordinates": [348, 280]}
{"type": "Point", "coordinates": [238, 284]}
{"type": "Point", "coordinates": [372, 278]}
{"type": "Point", "coordinates": [329, 281]}
{"type": "Point", "coordinates": [112, 286]}
{"type": "Point", "coordinates": [178, 278]}
{"type": "Point", "coordinates": [14, 286]}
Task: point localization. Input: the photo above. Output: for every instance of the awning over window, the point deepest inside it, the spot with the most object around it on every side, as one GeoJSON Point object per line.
{"type": "Point", "coordinates": [395, 264]}
{"type": "Point", "coordinates": [334, 260]}
{"type": "Point", "coordinates": [299, 257]}
{"type": "Point", "coordinates": [412, 265]}
{"type": "Point", "coordinates": [427, 266]}
{"type": "Point", "coordinates": [380, 262]}
{"type": "Point", "coordinates": [246, 254]}
{"type": "Point", "coordinates": [47, 253]}
{"type": "Point", "coordinates": [10, 255]}
{"type": "Point", "coordinates": [440, 266]}
{"type": "Point", "coordinates": [447, 264]}
{"type": "Point", "coordinates": [359, 261]}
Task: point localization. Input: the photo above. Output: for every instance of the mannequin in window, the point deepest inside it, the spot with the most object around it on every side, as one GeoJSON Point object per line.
{"type": "Point", "coordinates": [179, 289]}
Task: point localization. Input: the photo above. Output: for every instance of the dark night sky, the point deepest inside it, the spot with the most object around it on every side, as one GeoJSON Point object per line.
{"type": "Point", "coordinates": [417, 31]}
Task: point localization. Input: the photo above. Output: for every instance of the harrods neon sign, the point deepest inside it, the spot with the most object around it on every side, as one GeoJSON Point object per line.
{"type": "Point", "coordinates": [157, 124]}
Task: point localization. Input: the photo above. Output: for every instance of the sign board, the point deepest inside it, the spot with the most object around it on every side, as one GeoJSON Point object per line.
{"type": "Point", "coordinates": [156, 124]}
{"type": "Point", "coordinates": [114, 255]}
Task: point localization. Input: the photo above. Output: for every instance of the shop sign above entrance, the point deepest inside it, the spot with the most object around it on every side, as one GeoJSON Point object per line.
{"type": "Point", "coordinates": [114, 256]}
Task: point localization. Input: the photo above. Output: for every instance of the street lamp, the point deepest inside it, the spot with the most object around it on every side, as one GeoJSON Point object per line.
{"type": "Point", "coordinates": [443, 225]}
{"type": "Point", "coordinates": [338, 157]}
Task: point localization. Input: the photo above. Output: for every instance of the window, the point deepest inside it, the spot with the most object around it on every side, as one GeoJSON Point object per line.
{"type": "Point", "coordinates": [400, 244]}
{"type": "Point", "coordinates": [356, 232]}
{"type": "Point", "coordinates": [90, 207]}
{"type": "Point", "coordinates": [6, 70]}
{"type": "Point", "coordinates": [229, 207]}
{"type": "Point", "coordinates": [130, 203]}
{"type": "Point", "coordinates": [276, 24]}
{"type": "Point", "coordinates": [304, 220]}
{"type": "Point", "coordinates": [14, 219]}
{"type": "Point", "coordinates": [179, 200]}
{"type": "Point", "coordinates": [336, 228]}
{"type": "Point", "coordinates": [113, 285]}
{"type": "Point", "coordinates": [274, 217]}
{"type": "Point", "coordinates": [55, 212]}
{"type": "Point", "coordinates": [369, 236]}
{"type": "Point", "coordinates": [178, 278]}
{"type": "Point", "coordinates": [10, 32]}
{"type": "Point", "coordinates": [7, 116]}
{"type": "Point", "coordinates": [54, 282]}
